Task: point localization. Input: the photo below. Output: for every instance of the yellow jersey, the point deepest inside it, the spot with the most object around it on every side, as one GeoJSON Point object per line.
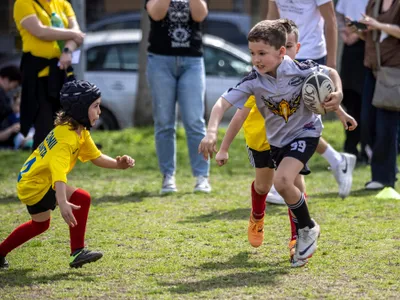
{"type": "Point", "coordinates": [254, 127]}
{"type": "Point", "coordinates": [52, 161]}
{"type": "Point", "coordinates": [30, 43]}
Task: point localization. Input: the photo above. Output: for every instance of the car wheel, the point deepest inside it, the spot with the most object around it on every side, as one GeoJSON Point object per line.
{"type": "Point", "coordinates": [106, 121]}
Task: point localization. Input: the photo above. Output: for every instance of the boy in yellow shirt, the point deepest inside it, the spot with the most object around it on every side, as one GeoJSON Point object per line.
{"type": "Point", "coordinates": [42, 181]}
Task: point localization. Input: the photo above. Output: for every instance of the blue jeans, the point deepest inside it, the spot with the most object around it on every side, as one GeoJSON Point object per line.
{"type": "Point", "coordinates": [379, 130]}
{"type": "Point", "coordinates": [172, 80]}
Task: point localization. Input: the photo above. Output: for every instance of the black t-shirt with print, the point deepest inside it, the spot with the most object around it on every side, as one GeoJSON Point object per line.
{"type": "Point", "coordinates": [177, 34]}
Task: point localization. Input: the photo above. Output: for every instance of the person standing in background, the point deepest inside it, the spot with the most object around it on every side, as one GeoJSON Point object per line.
{"type": "Point", "coordinates": [316, 21]}
{"type": "Point", "coordinates": [352, 71]}
{"type": "Point", "coordinates": [176, 74]}
{"type": "Point", "coordinates": [50, 33]}
{"type": "Point", "coordinates": [379, 126]}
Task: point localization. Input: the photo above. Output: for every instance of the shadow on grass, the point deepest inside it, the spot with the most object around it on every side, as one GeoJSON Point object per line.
{"type": "Point", "coordinates": [9, 200]}
{"type": "Point", "coordinates": [268, 275]}
{"type": "Point", "coordinates": [21, 277]}
{"type": "Point", "coordinates": [132, 197]}
{"type": "Point", "coordinates": [240, 260]}
{"type": "Point", "coordinates": [235, 214]}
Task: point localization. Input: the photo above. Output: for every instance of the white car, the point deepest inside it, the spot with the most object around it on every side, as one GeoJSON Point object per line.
{"type": "Point", "coordinates": [112, 64]}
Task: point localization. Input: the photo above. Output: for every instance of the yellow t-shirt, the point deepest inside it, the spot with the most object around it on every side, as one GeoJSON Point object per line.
{"type": "Point", "coordinates": [52, 161]}
{"type": "Point", "coordinates": [254, 127]}
{"type": "Point", "coordinates": [30, 43]}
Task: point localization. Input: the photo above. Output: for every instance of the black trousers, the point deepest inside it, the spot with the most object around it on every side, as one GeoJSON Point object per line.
{"type": "Point", "coordinates": [352, 102]}
{"type": "Point", "coordinates": [48, 107]}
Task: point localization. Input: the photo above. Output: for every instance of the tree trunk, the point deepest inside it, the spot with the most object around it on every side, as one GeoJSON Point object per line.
{"type": "Point", "coordinates": [143, 110]}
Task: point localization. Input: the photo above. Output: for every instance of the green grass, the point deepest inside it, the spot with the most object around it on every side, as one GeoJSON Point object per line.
{"type": "Point", "coordinates": [195, 246]}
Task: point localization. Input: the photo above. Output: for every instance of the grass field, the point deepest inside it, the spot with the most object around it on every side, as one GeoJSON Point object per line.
{"type": "Point", "coordinates": [195, 246]}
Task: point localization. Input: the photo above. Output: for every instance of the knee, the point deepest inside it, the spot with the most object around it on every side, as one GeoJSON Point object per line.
{"type": "Point", "coordinates": [281, 184]}
{"type": "Point", "coordinates": [41, 226]}
{"type": "Point", "coordinates": [262, 188]}
{"type": "Point", "coordinates": [80, 197]}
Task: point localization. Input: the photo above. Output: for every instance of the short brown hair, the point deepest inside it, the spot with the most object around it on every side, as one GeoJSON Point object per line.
{"type": "Point", "coordinates": [290, 27]}
{"type": "Point", "coordinates": [269, 32]}
{"type": "Point", "coordinates": [63, 119]}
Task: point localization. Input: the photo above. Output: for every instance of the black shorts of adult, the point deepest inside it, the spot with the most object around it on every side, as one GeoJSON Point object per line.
{"type": "Point", "coordinates": [48, 202]}
{"type": "Point", "coordinates": [301, 149]}
{"type": "Point", "coordinates": [260, 159]}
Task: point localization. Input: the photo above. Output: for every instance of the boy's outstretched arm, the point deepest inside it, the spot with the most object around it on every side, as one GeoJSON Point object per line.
{"type": "Point", "coordinates": [334, 99]}
{"type": "Point", "coordinates": [349, 123]}
{"type": "Point", "coordinates": [208, 144]}
{"type": "Point", "coordinates": [234, 127]}
{"type": "Point", "coordinates": [120, 162]}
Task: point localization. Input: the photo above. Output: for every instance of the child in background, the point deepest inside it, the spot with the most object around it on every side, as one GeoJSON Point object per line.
{"type": "Point", "coordinates": [259, 152]}
{"type": "Point", "coordinates": [43, 177]}
{"type": "Point", "coordinates": [293, 131]}
{"type": "Point", "coordinates": [19, 141]}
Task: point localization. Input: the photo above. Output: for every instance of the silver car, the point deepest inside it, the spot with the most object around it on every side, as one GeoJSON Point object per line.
{"type": "Point", "coordinates": [112, 64]}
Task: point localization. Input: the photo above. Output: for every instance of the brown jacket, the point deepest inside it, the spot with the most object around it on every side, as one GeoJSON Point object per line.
{"type": "Point", "coordinates": [390, 46]}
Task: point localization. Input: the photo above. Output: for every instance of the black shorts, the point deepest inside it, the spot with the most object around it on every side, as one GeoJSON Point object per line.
{"type": "Point", "coordinates": [301, 149]}
{"type": "Point", "coordinates": [48, 202]}
{"type": "Point", "coordinates": [260, 159]}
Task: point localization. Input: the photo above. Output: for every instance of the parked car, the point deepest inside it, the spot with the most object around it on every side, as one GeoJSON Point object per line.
{"type": "Point", "coordinates": [232, 27]}
{"type": "Point", "coordinates": [112, 64]}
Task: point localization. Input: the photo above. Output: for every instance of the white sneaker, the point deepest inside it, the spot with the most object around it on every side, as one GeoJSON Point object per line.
{"type": "Point", "coordinates": [344, 173]}
{"type": "Point", "coordinates": [306, 242]}
{"type": "Point", "coordinates": [298, 263]}
{"type": "Point", "coordinates": [202, 185]}
{"type": "Point", "coordinates": [274, 197]}
{"type": "Point", "coordinates": [374, 185]}
{"type": "Point", "coordinates": [168, 185]}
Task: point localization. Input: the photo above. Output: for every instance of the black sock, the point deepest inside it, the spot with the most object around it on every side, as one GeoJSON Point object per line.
{"type": "Point", "coordinates": [300, 210]}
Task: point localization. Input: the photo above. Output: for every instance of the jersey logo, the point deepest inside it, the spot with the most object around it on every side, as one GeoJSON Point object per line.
{"type": "Point", "coordinates": [297, 80]}
{"type": "Point", "coordinates": [283, 108]}
{"type": "Point", "coordinates": [305, 65]}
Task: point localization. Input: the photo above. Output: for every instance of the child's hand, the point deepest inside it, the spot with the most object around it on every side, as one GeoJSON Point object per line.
{"type": "Point", "coordinates": [346, 119]}
{"type": "Point", "coordinates": [125, 162]}
{"type": "Point", "coordinates": [222, 157]}
{"type": "Point", "coordinates": [208, 145]}
{"type": "Point", "coordinates": [332, 101]}
{"type": "Point", "coordinates": [67, 214]}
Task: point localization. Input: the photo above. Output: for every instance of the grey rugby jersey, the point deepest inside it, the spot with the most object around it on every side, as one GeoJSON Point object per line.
{"type": "Point", "coordinates": [279, 101]}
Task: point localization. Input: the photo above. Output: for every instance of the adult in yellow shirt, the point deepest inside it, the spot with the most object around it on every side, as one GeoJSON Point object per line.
{"type": "Point", "coordinates": [50, 33]}
{"type": "Point", "coordinates": [42, 181]}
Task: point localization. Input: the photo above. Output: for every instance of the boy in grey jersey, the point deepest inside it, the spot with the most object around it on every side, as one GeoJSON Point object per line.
{"type": "Point", "coordinates": [293, 131]}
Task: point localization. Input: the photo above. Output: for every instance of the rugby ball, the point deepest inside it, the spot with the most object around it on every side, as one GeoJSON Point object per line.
{"type": "Point", "coordinates": [315, 88]}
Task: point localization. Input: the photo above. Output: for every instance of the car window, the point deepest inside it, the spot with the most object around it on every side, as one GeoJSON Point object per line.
{"type": "Point", "coordinates": [95, 58]}
{"type": "Point", "coordinates": [226, 30]}
{"type": "Point", "coordinates": [120, 57]}
{"type": "Point", "coordinates": [130, 56]}
{"type": "Point", "coordinates": [218, 62]}
{"type": "Point", "coordinates": [111, 60]}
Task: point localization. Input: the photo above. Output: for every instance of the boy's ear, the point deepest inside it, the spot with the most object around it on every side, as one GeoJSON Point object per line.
{"type": "Point", "coordinates": [298, 47]}
{"type": "Point", "coordinates": [282, 51]}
